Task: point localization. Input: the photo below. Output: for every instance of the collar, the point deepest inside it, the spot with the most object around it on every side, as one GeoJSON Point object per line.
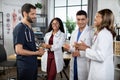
{"type": "Point", "coordinates": [56, 34]}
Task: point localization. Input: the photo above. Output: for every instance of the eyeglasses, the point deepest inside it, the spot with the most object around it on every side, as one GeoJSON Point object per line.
{"type": "Point", "coordinates": [55, 23]}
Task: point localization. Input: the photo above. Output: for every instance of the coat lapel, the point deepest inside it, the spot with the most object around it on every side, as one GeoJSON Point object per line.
{"type": "Point", "coordinates": [82, 36]}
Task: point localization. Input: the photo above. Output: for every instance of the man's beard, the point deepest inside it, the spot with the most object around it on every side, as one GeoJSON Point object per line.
{"type": "Point", "coordinates": [30, 20]}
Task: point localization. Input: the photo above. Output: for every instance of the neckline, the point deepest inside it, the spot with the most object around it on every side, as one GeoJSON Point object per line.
{"type": "Point", "coordinates": [26, 26]}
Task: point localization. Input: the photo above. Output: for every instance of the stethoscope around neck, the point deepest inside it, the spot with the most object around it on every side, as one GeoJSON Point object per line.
{"type": "Point", "coordinates": [27, 36]}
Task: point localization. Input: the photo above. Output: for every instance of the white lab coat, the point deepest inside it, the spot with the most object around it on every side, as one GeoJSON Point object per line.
{"type": "Point", "coordinates": [82, 61]}
{"type": "Point", "coordinates": [101, 55]}
{"type": "Point", "coordinates": [58, 41]}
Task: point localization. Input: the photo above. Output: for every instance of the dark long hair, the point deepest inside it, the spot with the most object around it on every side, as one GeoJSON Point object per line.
{"type": "Point", "coordinates": [61, 28]}
{"type": "Point", "coordinates": [107, 20]}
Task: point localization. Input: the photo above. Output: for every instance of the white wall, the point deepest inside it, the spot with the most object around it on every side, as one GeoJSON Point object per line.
{"type": "Point", "coordinates": [0, 6]}
{"type": "Point", "coordinates": [50, 10]}
{"type": "Point", "coordinates": [114, 5]}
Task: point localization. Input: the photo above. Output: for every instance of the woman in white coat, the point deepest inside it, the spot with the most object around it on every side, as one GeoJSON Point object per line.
{"type": "Point", "coordinates": [52, 60]}
{"type": "Point", "coordinates": [85, 35]}
{"type": "Point", "coordinates": [101, 52]}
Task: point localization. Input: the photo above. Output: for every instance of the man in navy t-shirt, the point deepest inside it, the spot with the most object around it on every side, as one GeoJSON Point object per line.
{"type": "Point", "coordinates": [24, 45]}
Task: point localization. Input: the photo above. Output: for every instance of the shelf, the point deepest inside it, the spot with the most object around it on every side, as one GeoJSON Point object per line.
{"type": "Point", "coordinates": [39, 27]}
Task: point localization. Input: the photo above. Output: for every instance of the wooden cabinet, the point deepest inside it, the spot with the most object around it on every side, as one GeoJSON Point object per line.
{"type": "Point", "coordinates": [1, 29]}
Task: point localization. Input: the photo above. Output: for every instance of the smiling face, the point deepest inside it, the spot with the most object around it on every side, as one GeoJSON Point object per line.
{"type": "Point", "coordinates": [31, 16]}
{"type": "Point", "coordinates": [98, 20]}
{"type": "Point", "coordinates": [81, 21]}
{"type": "Point", "coordinates": [55, 25]}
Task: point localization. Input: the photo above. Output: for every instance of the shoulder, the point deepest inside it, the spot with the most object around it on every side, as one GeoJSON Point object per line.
{"type": "Point", "coordinates": [105, 33]}
{"type": "Point", "coordinates": [19, 26]}
{"type": "Point", "coordinates": [59, 33]}
{"type": "Point", "coordinates": [89, 28]}
{"type": "Point", "coordinates": [62, 33]}
{"type": "Point", "coordinates": [19, 29]}
{"type": "Point", "coordinates": [48, 33]}
{"type": "Point", "coordinates": [75, 31]}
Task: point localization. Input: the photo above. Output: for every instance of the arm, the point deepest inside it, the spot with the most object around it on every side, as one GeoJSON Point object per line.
{"type": "Point", "coordinates": [20, 51]}
{"type": "Point", "coordinates": [102, 48]}
{"type": "Point", "coordinates": [20, 40]}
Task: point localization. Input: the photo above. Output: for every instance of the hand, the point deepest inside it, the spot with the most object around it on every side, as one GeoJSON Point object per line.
{"type": "Point", "coordinates": [66, 47]}
{"type": "Point", "coordinates": [76, 53]}
{"type": "Point", "coordinates": [81, 46]}
{"type": "Point", "coordinates": [40, 51]}
{"type": "Point", "coordinates": [45, 45]}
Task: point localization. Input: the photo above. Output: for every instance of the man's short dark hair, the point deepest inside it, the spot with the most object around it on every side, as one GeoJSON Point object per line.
{"type": "Point", "coordinates": [81, 12]}
{"type": "Point", "coordinates": [26, 7]}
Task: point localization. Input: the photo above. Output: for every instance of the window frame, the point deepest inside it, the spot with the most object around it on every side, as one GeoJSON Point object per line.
{"type": "Point", "coordinates": [67, 6]}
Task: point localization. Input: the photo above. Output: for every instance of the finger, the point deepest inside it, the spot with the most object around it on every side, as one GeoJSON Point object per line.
{"type": "Point", "coordinates": [63, 45]}
{"type": "Point", "coordinates": [83, 43]}
{"type": "Point", "coordinates": [75, 42]}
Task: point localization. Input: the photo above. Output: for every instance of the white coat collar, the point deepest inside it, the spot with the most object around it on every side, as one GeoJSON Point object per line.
{"type": "Point", "coordinates": [83, 32]}
{"type": "Point", "coordinates": [85, 29]}
{"type": "Point", "coordinates": [56, 34]}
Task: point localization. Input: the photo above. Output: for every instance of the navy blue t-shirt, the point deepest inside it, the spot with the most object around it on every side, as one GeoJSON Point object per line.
{"type": "Point", "coordinates": [22, 34]}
